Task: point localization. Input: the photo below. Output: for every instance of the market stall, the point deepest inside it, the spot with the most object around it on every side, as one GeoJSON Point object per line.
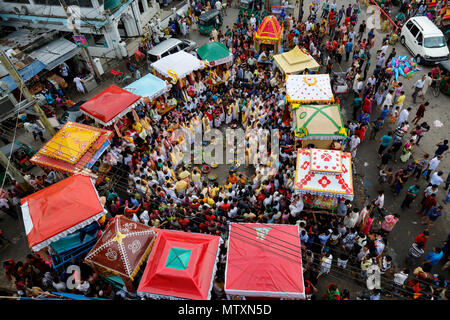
{"type": "Point", "coordinates": [179, 68]}
{"type": "Point", "coordinates": [107, 107]}
{"type": "Point", "coordinates": [122, 249]}
{"type": "Point", "coordinates": [306, 89]}
{"type": "Point", "coordinates": [151, 89]}
{"type": "Point", "coordinates": [54, 214]}
{"type": "Point", "coordinates": [74, 148]}
{"type": "Point", "coordinates": [264, 260]}
{"type": "Point", "coordinates": [218, 59]}
{"type": "Point", "coordinates": [268, 36]}
{"type": "Point", "coordinates": [295, 61]}
{"type": "Point", "coordinates": [319, 125]}
{"type": "Point", "coordinates": [181, 265]}
{"type": "Point", "coordinates": [323, 176]}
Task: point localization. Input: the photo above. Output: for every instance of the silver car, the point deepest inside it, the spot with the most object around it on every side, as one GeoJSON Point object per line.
{"type": "Point", "coordinates": [169, 46]}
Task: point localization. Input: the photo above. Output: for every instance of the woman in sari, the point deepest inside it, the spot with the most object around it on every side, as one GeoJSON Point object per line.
{"type": "Point", "coordinates": [407, 150]}
{"type": "Point", "coordinates": [367, 223]}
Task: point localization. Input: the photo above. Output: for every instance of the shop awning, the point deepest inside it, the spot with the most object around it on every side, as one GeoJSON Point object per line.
{"type": "Point", "coordinates": [26, 73]}
{"type": "Point", "coordinates": [56, 52]}
{"type": "Point", "coordinates": [59, 210]}
{"type": "Point", "coordinates": [264, 260]}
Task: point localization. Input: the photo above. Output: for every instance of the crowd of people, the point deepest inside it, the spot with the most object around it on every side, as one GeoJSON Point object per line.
{"type": "Point", "coordinates": [164, 191]}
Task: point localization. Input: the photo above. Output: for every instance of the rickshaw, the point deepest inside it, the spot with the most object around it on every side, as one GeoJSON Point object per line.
{"type": "Point", "coordinates": [250, 6]}
{"type": "Point", "coordinates": [20, 155]}
{"type": "Point", "coordinates": [208, 20]}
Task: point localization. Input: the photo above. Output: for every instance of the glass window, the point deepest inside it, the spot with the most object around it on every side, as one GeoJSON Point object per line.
{"type": "Point", "coordinates": [419, 38]}
{"type": "Point", "coordinates": [414, 31]}
{"type": "Point", "coordinates": [182, 45]}
{"type": "Point", "coordinates": [409, 25]}
{"type": "Point", "coordinates": [173, 50]}
{"type": "Point", "coordinates": [434, 42]}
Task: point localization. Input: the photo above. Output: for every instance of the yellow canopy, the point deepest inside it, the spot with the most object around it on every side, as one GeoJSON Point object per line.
{"type": "Point", "coordinates": [70, 143]}
{"type": "Point", "coordinates": [295, 61]}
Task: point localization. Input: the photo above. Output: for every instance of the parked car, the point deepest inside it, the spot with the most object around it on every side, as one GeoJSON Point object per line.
{"type": "Point", "coordinates": [169, 46]}
{"type": "Point", "coordinates": [424, 40]}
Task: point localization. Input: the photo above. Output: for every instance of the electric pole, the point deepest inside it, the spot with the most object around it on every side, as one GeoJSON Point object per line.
{"type": "Point", "coordinates": [26, 93]}
{"type": "Point", "coordinates": [86, 54]}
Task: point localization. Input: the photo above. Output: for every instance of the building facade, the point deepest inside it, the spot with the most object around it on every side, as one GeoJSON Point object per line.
{"type": "Point", "coordinates": [104, 23]}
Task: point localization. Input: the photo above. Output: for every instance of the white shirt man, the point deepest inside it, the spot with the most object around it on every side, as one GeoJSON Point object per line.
{"type": "Point", "coordinates": [403, 117]}
{"type": "Point", "coordinates": [434, 163]}
{"type": "Point", "coordinates": [218, 5]}
{"type": "Point", "coordinates": [379, 202]}
{"type": "Point", "coordinates": [436, 179]}
{"type": "Point", "coordinates": [354, 143]}
{"type": "Point", "coordinates": [253, 21]}
{"type": "Point", "coordinates": [400, 278]}
{"type": "Point", "coordinates": [384, 48]}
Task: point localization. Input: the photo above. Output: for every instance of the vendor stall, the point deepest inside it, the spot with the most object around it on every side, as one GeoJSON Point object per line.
{"type": "Point", "coordinates": [323, 176]}
{"type": "Point", "coordinates": [181, 265]}
{"type": "Point", "coordinates": [295, 61]}
{"type": "Point", "coordinates": [55, 213]}
{"type": "Point", "coordinates": [319, 125]}
{"type": "Point", "coordinates": [268, 36]}
{"type": "Point", "coordinates": [178, 68]}
{"type": "Point", "coordinates": [264, 260]}
{"type": "Point", "coordinates": [110, 105]}
{"type": "Point", "coordinates": [219, 59]}
{"type": "Point", "coordinates": [122, 249]}
{"type": "Point", "coordinates": [74, 148]}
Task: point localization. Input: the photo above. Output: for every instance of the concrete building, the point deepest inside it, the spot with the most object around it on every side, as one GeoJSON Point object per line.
{"type": "Point", "coordinates": [104, 23]}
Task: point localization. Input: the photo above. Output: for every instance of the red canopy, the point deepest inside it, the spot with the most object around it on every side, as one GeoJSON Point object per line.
{"type": "Point", "coordinates": [269, 29]}
{"type": "Point", "coordinates": [59, 210]}
{"type": "Point", "coordinates": [110, 104]}
{"type": "Point", "coordinates": [264, 260]}
{"type": "Point", "coordinates": [180, 265]}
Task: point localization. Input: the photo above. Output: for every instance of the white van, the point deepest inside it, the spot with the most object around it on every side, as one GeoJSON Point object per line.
{"type": "Point", "coordinates": [424, 40]}
{"type": "Point", "coordinates": [169, 46]}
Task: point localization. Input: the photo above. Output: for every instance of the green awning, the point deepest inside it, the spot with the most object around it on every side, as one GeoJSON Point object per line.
{"type": "Point", "coordinates": [215, 53]}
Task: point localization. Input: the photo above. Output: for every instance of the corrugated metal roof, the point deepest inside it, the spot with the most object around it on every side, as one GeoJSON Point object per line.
{"type": "Point", "coordinates": [55, 52]}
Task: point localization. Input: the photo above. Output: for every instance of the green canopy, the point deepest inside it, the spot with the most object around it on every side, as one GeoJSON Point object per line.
{"type": "Point", "coordinates": [215, 53]}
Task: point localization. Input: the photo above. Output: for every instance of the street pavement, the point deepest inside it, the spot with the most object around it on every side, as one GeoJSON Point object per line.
{"type": "Point", "coordinates": [365, 170]}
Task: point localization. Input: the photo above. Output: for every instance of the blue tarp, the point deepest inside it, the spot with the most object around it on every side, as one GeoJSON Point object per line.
{"type": "Point", "coordinates": [149, 86]}
{"type": "Point", "coordinates": [76, 239]}
{"type": "Point", "coordinates": [26, 73]}
{"type": "Point", "coordinates": [76, 296]}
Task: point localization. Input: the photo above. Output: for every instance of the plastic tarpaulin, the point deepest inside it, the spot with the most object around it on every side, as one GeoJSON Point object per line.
{"type": "Point", "coordinates": [26, 73]}
{"type": "Point", "coordinates": [110, 104]}
{"type": "Point", "coordinates": [318, 174]}
{"type": "Point", "coordinates": [264, 260]}
{"type": "Point", "coordinates": [180, 265]}
{"type": "Point", "coordinates": [179, 64]}
{"type": "Point", "coordinates": [149, 86]}
{"type": "Point", "coordinates": [59, 210]}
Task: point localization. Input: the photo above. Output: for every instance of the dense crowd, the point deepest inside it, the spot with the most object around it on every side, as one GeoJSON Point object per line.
{"type": "Point", "coordinates": [165, 192]}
